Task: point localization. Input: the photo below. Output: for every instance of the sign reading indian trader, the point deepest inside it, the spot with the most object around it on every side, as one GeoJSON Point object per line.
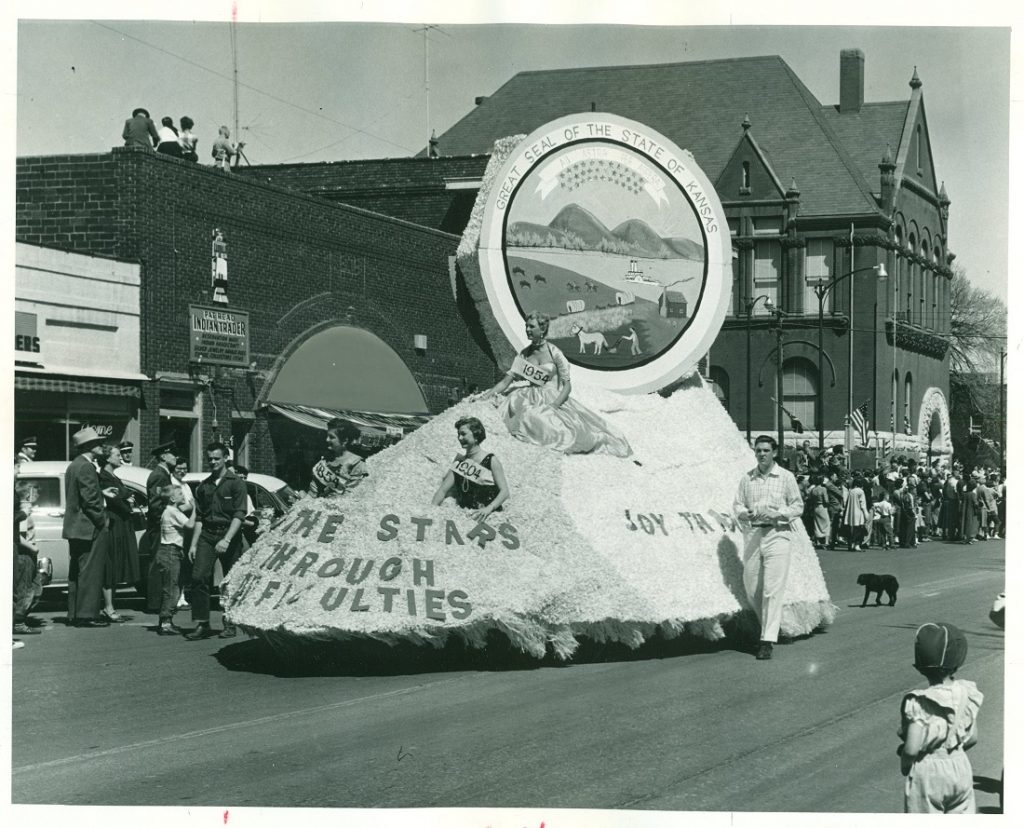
{"type": "Point", "coordinates": [218, 336]}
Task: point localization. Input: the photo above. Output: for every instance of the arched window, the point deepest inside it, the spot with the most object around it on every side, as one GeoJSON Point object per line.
{"type": "Point", "coordinates": [800, 390]}
{"type": "Point", "coordinates": [908, 285]}
{"type": "Point", "coordinates": [926, 277]}
{"type": "Point", "coordinates": [907, 397]}
{"type": "Point", "coordinates": [718, 379]}
{"type": "Point", "coordinates": [746, 176]}
{"type": "Point", "coordinates": [898, 273]}
{"type": "Point", "coordinates": [895, 399]}
{"type": "Point", "coordinates": [920, 151]}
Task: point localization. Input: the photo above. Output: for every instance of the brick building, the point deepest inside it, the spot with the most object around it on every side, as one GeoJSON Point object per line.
{"type": "Point", "coordinates": [340, 309]}
{"type": "Point", "coordinates": [813, 192]}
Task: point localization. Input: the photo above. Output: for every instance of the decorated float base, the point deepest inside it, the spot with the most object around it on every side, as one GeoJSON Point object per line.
{"type": "Point", "coordinates": [594, 546]}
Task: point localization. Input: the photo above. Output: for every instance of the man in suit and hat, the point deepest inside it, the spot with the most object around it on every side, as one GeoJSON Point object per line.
{"type": "Point", "coordinates": [27, 450]}
{"type": "Point", "coordinates": [85, 528]}
{"type": "Point", "coordinates": [139, 130]}
{"type": "Point", "coordinates": [126, 447]}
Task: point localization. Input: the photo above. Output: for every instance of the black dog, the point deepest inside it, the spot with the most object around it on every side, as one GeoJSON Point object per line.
{"type": "Point", "coordinates": [879, 584]}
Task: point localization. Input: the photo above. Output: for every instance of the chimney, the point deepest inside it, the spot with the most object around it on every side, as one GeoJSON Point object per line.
{"type": "Point", "coordinates": [851, 80]}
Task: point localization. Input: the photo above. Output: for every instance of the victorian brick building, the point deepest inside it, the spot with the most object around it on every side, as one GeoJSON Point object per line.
{"type": "Point", "coordinates": [813, 192]}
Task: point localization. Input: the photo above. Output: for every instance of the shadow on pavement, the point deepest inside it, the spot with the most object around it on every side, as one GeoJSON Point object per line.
{"type": "Point", "coordinates": [366, 657]}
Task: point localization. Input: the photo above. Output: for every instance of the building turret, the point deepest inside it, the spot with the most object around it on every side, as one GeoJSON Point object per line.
{"type": "Point", "coordinates": [944, 202]}
{"type": "Point", "coordinates": [887, 179]}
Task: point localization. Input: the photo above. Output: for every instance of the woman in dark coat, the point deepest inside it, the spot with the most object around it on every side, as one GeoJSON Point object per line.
{"type": "Point", "coordinates": [970, 512]}
{"type": "Point", "coordinates": [123, 560]}
{"type": "Point", "coordinates": [907, 507]}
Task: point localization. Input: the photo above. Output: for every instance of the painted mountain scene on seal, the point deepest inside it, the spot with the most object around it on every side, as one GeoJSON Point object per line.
{"type": "Point", "coordinates": [607, 245]}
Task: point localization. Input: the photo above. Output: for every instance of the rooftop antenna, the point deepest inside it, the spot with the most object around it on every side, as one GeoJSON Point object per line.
{"type": "Point", "coordinates": [426, 29]}
{"type": "Point", "coordinates": [234, 61]}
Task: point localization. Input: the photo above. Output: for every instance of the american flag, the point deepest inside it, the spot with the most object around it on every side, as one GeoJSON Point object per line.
{"type": "Point", "coordinates": [859, 421]}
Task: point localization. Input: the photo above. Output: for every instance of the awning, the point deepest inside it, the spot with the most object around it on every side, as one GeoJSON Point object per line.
{"type": "Point", "coordinates": [112, 388]}
{"type": "Point", "coordinates": [313, 417]}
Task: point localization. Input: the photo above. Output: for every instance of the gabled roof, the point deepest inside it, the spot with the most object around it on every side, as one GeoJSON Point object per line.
{"type": "Point", "coordinates": [700, 106]}
{"type": "Point", "coordinates": [866, 134]}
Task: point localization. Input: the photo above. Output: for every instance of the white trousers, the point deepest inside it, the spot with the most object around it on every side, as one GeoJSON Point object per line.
{"type": "Point", "coordinates": [765, 572]}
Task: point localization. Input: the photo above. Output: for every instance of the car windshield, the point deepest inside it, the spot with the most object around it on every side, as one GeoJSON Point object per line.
{"type": "Point", "coordinates": [287, 495]}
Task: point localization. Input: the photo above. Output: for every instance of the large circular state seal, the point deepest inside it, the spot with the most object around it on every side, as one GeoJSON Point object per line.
{"type": "Point", "coordinates": [615, 233]}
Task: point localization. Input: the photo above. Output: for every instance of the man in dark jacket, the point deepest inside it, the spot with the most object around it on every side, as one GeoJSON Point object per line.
{"type": "Point", "coordinates": [220, 510]}
{"type": "Point", "coordinates": [165, 457]}
{"type": "Point", "coordinates": [833, 486]}
{"type": "Point", "coordinates": [85, 528]}
{"type": "Point", "coordinates": [139, 130]}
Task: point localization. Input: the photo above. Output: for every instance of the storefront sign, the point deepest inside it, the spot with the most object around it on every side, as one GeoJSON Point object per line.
{"type": "Point", "coordinates": [218, 336]}
{"type": "Point", "coordinates": [26, 333]}
{"type": "Point", "coordinates": [617, 236]}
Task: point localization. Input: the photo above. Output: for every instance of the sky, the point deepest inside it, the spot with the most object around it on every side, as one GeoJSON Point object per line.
{"type": "Point", "coordinates": [328, 91]}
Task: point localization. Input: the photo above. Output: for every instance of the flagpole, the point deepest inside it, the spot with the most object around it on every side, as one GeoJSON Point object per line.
{"type": "Point", "coordinates": [893, 383]}
{"type": "Point", "coordinates": [849, 364]}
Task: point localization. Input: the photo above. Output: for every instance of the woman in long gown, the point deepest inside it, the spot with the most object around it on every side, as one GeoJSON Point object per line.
{"type": "Point", "coordinates": [537, 405]}
{"type": "Point", "coordinates": [123, 561]}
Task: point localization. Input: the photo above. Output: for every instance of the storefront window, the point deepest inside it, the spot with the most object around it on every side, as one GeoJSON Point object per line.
{"type": "Point", "coordinates": [52, 417]}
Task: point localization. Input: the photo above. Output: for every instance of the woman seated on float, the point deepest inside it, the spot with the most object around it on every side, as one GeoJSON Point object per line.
{"type": "Point", "coordinates": [476, 475]}
{"type": "Point", "coordinates": [537, 404]}
{"type": "Point", "coordinates": [343, 469]}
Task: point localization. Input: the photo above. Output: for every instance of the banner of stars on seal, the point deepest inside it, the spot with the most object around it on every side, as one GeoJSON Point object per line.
{"type": "Point", "coordinates": [600, 169]}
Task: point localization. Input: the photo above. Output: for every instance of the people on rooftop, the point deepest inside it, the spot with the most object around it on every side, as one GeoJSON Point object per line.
{"type": "Point", "coordinates": [139, 130]}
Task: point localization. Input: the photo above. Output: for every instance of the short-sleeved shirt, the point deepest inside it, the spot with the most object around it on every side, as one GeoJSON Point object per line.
{"type": "Point", "coordinates": [218, 503]}
{"type": "Point", "coordinates": [777, 488]}
{"type": "Point", "coordinates": [172, 524]}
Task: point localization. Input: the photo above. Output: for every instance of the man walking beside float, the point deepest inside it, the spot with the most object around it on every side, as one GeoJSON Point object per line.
{"type": "Point", "coordinates": [767, 502]}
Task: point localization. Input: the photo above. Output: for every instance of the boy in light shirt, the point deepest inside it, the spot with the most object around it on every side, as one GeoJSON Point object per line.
{"type": "Point", "coordinates": [883, 511]}
{"type": "Point", "coordinates": [167, 561]}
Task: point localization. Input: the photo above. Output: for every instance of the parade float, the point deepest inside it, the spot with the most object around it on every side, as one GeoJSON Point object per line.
{"type": "Point", "coordinates": [616, 235]}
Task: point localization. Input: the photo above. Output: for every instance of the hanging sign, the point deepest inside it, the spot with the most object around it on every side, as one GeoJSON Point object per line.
{"type": "Point", "coordinates": [218, 336]}
{"type": "Point", "coordinates": [219, 267]}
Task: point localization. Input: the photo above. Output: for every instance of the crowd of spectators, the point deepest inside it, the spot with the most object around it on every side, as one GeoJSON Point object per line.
{"type": "Point", "coordinates": [898, 503]}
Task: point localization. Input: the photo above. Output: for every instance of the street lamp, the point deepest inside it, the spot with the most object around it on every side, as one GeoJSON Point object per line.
{"type": "Point", "coordinates": [821, 291]}
{"type": "Point", "coordinates": [778, 313]}
{"type": "Point", "coordinates": [750, 303]}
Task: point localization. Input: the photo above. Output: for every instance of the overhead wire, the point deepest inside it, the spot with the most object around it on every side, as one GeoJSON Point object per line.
{"type": "Point", "coordinates": [256, 89]}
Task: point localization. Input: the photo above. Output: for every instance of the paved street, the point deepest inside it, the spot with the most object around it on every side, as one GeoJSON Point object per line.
{"type": "Point", "coordinates": [122, 717]}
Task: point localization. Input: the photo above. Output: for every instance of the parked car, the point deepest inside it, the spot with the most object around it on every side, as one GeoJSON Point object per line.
{"type": "Point", "coordinates": [48, 514]}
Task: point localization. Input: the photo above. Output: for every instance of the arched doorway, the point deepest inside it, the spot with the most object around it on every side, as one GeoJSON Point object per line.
{"type": "Point", "coordinates": [341, 372]}
{"type": "Point", "coordinates": [933, 424]}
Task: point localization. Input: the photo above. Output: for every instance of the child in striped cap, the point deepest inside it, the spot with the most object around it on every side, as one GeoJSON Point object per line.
{"type": "Point", "coordinates": [937, 725]}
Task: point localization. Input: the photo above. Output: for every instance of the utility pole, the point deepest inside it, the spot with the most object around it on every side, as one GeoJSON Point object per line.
{"type": "Point", "coordinates": [1002, 414]}
{"type": "Point", "coordinates": [234, 65]}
